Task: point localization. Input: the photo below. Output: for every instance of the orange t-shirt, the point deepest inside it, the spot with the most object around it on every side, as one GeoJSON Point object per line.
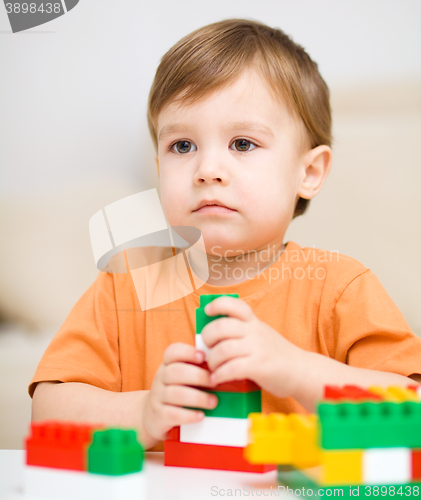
{"type": "Point", "coordinates": [323, 302]}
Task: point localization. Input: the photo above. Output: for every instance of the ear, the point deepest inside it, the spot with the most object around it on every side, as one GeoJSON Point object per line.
{"type": "Point", "coordinates": [315, 168]}
{"type": "Point", "coordinates": [157, 163]}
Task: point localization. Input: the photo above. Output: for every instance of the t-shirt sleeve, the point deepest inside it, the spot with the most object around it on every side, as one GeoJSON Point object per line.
{"type": "Point", "coordinates": [370, 330]}
{"type": "Point", "coordinates": [85, 349]}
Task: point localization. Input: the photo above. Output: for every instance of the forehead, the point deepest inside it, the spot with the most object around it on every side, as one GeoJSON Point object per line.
{"type": "Point", "coordinates": [246, 102]}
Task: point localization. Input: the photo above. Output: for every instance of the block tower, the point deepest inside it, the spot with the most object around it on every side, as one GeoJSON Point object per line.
{"type": "Point", "coordinates": [218, 441]}
{"type": "Point", "coordinates": [362, 442]}
{"type": "Point", "coordinates": [67, 460]}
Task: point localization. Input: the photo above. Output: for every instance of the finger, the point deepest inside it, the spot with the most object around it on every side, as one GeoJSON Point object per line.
{"type": "Point", "coordinates": [225, 351]}
{"type": "Point", "coordinates": [230, 306]}
{"type": "Point", "coordinates": [174, 416]}
{"type": "Point", "coordinates": [185, 374]}
{"type": "Point", "coordinates": [235, 369]}
{"type": "Point", "coordinates": [223, 328]}
{"type": "Point", "coordinates": [179, 351]}
{"type": "Point", "coordinates": [181, 395]}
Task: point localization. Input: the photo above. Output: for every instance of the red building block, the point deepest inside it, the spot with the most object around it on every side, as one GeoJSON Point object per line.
{"type": "Point", "coordinates": [416, 464]}
{"type": "Point", "coordinates": [62, 445]}
{"type": "Point", "coordinates": [205, 456]}
{"type": "Point", "coordinates": [237, 386]}
{"type": "Point", "coordinates": [174, 434]}
{"type": "Point", "coordinates": [234, 386]}
{"type": "Point", "coordinates": [351, 392]}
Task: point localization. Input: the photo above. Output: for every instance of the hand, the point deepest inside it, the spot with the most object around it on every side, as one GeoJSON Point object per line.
{"type": "Point", "coordinates": [163, 406]}
{"type": "Point", "coordinates": [243, 347]}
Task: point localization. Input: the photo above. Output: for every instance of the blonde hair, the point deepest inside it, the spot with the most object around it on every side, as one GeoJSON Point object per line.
{"type": "Point", "coordinates": [215, 55]}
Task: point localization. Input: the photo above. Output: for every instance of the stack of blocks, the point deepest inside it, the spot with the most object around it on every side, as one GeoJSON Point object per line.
{"type": "Point", "coordinates": [68, 460]}
{"type": "Point", "coordinates": [361, 438]}
{"type": "Point", "coordinates": [218, 441]}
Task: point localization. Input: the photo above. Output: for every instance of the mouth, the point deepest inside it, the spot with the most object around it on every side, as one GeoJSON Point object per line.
{"type": "Point", "coordinates": [213, 207]}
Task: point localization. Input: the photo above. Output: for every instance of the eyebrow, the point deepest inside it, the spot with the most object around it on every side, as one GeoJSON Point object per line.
{"type": "Point", "coordinates": [253, 126]}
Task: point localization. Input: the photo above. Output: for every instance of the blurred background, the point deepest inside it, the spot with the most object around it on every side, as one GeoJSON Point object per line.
{"type": "Point", "coordinates": [74, 138]}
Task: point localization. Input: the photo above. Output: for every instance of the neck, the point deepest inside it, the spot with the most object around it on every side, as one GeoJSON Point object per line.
{"type": "Point", "coordinates": [224, 271]}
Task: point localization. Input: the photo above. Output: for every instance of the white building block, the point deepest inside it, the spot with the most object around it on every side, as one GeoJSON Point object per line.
{"type": "Point", "coordinates": [217, 431]}
{"type": "Point", "coordinates": [200, 344]}
{"type": "Point", "coordinates": [45, 483]}
{"type": "Point", "coordinates": [387, 465]}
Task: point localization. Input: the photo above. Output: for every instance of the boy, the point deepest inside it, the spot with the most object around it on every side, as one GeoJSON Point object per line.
{"type": "Point", "coordinates": [240, 119]}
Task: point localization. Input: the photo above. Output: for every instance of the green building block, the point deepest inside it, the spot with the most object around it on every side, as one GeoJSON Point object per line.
{"type": "Point", "coordinates": [369, 424]}
{"type": "Point", "coordinates": [115, 452]}
{"type": "Point", "coordinates": [203, 319]}
{"type": "Point", "coordinates": [295, 479]}
{"type": "Point", "coordinates": [235, 404]}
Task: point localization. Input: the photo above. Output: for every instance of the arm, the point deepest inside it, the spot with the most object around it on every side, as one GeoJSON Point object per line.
{"type": "Point", "coordinates": [153, 413]}
{"type": "Point", "coordinates": [242, 346]}
{"type": "Point", "coordinates": [319, 370]}
{"type": "Point", "coordinates": [86, 403]}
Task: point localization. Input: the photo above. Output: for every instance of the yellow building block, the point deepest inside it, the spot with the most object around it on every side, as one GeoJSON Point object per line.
{"type": "Point", "coordinates": [305, 449]}
{"type": "Point", "coordinates": [384, 393]}
{"type": "Point", "coordinates": [402, 393]}
{"type": "Point", "coordinates": [395, 393]}
{"type": "Point", "coordinates": [283, 439]}
{"type": "Point", "coordinates": [270, 439]}
{"type": "Point", "coordinates": [341, 467]}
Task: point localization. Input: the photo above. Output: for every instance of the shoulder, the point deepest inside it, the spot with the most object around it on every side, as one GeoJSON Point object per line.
{"type": "Point", "coordinates": [329, 266]}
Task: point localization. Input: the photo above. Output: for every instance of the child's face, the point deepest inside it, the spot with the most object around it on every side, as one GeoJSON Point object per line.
{"type": "Point", "coordinates": [259, 175]}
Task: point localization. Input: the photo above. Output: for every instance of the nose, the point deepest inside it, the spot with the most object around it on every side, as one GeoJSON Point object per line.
{"type": "Point", "coordinates": [210, 170]}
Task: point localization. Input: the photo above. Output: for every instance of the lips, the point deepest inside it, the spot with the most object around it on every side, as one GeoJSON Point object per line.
{"type": "Point", "coordinates": [212, 203]}
{"type": "Point", "coordinates": [214, 209]}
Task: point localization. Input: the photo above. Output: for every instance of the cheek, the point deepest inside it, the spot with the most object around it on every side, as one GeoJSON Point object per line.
{"type": "Point", "coordinates": [172, 201]}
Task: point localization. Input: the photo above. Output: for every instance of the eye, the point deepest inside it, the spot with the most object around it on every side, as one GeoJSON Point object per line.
{"type": "Point", "coordinates": [242, 145]}
{"type": "Point", "coordinates": [181, 147]}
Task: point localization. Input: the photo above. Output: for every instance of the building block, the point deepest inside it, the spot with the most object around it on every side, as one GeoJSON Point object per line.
{"type": "Point", "coordinates": [200, 344]}
{"type": "Point", "coordinates": [370, 425]}
{"type": "Point", "coordinates": [174, 434]}
{"type": "Point", "coordinates": [416, 464]}
{"type": "Point", "coordinates": [203, 456]}
{"type": "Point", "coordinates": [350, 392]}
{"type": "Point", "coordinates": [283, 439]}
{"type": "Point", "coordinates": [216, 431]}
{"type": "Point", "coordinates": [237, 386]}
{"type": "Point", "coordinates": [115, 452]}
{"type": "Point", "coordinates": [202, 319]}
{"type": "Point", "coordinates": [232, 386]}
{"type": "Point", "coordinates": [61, 445]}
{"type": "Point", "coordinates": [58, 484]}
{"type": "Point", "coordinates": [395, 393]}
{"type": "Point", "coordinates": [293, 480]}
{"type": "Point", "coordinates": [305, 448]}
{"type": "Point", "coordinates": [341, 467]}
{"type": "Point", "coordinates": [387, 465]}
{"type": "Point", "coordinates": [234, 404]}
{"type": "Point", "coordinates": [270, 439]}
{"type": "Point", "coordinates": [403, 393]}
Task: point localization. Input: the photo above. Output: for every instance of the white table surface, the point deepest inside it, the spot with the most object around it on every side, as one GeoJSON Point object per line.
{"type": "Point", "coordinates": [175, 483]}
